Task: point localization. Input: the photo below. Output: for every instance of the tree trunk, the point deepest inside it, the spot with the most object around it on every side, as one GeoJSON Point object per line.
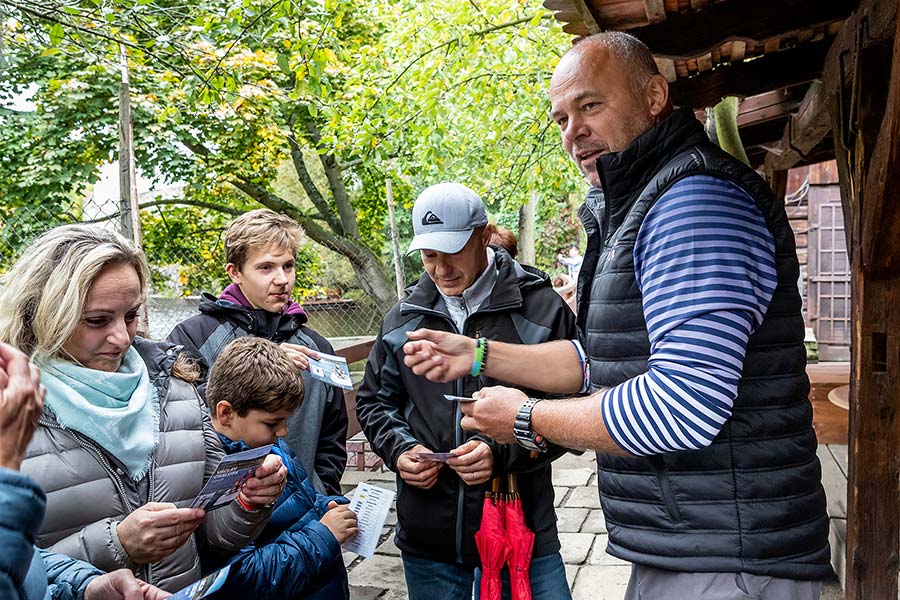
{"type": "Point", "coordinates": [372, 275]}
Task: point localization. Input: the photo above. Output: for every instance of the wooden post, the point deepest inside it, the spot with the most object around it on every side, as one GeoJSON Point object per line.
{"type": "Point", "coordinates": [873, 499]}
{"type": "Point", "coordinates": [128, 201]}
{"type": "Point", "coordinates": [395, 240]}
{"type": "Point", "coordinates": [527, 228]}
{"type": "Point", "coordinates": [129, 211]}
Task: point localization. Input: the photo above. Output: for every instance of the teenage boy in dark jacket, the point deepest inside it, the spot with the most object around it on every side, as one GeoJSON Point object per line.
{"type": "Point", "coordinates": [253, 389]}
{"type": "Point", "coordinates": [260, 247]}
{"type": "Point", "coordinates": [471, 288]}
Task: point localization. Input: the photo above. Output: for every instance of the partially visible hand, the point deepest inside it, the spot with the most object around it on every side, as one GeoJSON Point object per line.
{"type": "Point", "coordinates": [474, 462]}
{"type": "Point", "coordinates": [122, 585]}
{"type": "Point", "coordinates": [438, 355]}
{"type": "Point", "coordinates": [340, 521]}
{"type": "Point", "coordinates": [267, 482]}
{"type": "Point", "coordinates": [21, 404]}
{"type": "Point", "coordinates": [156, 530]}
{"type": "Point", "coordinates": [418, 474]}
{"type": "Point", "coordinates": [300, 355]}
{"type": "Point", "coordinates": [493, 413]}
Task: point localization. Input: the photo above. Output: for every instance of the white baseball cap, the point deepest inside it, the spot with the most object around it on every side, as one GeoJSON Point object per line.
{"type": "Point", "coordinates": [444, 217]}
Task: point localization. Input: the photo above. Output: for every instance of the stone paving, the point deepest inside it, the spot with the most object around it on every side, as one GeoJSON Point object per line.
{"type": "Point", "coordinates": [592, 573]}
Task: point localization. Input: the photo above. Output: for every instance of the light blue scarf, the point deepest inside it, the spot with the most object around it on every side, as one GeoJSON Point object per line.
{"type": "Point", "coordinates": [118, 411]}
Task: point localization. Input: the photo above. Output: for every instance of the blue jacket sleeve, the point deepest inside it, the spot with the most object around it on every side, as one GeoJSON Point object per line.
{"type": "Point", "coordinates": [22, 504]}
{"type": "Point", "coordinates": [67, 578]}
{"type": "Point", "coordinates": [285, 566]}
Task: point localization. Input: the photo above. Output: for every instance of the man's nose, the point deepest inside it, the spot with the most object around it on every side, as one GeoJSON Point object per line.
{"type": "Point", "coordinates": [280, 277]}
{"type": "Point", "coordinates": [576, 128]}
{"type": "Point", "coordinates": [442, 265]}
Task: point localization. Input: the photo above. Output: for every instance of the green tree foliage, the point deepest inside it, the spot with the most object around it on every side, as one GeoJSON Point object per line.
{"type": "Point", "coordinates": [346, 94]}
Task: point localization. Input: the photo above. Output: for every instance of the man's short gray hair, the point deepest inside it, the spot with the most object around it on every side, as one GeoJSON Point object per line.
{"type": "Point", "coordinates": [629, 50]}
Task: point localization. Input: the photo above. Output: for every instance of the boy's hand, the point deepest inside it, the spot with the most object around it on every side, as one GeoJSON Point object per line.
{"type": "Point", "coordinates": [156, 530]}
{"type": "Point", "coordinates": [418, 474]}
{"type": "Point", "coordinates": [474, 462]}
{"type": "Point", "coordinates": [300, 355]}
{"type": "Point", "coordinates": [340, 521]}
{"type": "Point", "coordinates": [267, 482]}
{"type": "Point", "coordinates": [122, 585]}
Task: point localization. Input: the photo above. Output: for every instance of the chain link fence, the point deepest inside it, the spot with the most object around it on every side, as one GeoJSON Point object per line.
{"type": "Point", "coordinates": [184, 246]}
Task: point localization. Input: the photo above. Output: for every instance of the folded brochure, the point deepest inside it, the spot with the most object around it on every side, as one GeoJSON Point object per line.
{"type": "Point", "coordinates": [331, 369]}
{"type": "Point", "coordinates": [231, 473]}
{"type": "Point", "coordinates": [204, 587]}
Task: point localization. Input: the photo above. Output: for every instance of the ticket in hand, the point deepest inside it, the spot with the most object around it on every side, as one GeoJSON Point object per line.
{"type": "Point", "coordinates": [441, 457]}
{"type": "Point", "coordinates": [453, 398]}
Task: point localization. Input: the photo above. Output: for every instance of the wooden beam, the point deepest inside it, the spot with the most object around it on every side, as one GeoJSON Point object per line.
{"type": "Point", "coordinates": [656, 11]}
{"type": "Point", "coordinates": [587, 16]}
{"type": "Point", "coordinates": [812, 122]}
{"type": "Point", "coordinates": [873, 499]}
{"type": "Point", "coordinates": [777, 70]}
{"type": "Point", "coordinates": [804, 130]}
{"type": "Point", "coordinates": [766, 107]}
{"type": "Point", "coordinates": [694, 34]}
{"type": "Point", "coordinates": [880, 233]}
{"type": "Point", "coordinates": [873, 515]}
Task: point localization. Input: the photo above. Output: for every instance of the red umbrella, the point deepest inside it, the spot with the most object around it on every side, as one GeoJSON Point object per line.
{"type": "Point", "coordinates": [492, 545]}
{"type": "Point", "coordinates": [521, 543]}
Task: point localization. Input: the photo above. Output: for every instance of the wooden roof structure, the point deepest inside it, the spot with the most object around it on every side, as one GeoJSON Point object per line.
{"type": "Point", "coordinates": [818, 79]}
{"type": "Point", "coordinates": [765, 51]}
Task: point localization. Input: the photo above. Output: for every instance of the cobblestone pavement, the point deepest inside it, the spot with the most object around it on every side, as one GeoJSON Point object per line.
{"type": "Point", "coordinates": [592, 573]}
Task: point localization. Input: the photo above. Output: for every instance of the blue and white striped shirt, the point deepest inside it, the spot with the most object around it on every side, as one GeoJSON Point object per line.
{"type": "Point", "coordinates": [705, 264]}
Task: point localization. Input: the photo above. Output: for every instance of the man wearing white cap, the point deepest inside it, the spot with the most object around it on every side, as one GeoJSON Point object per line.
{"type": "Point", "coordinates": [478, 291]}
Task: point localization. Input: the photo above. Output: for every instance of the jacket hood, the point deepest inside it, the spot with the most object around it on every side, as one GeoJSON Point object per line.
{"type": "Point", "coordinates": [512, 280]}
{"type": "Point", "coordinates": [277, 327]}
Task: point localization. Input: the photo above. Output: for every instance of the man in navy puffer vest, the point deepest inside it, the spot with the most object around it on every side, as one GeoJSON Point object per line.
{"type": "Point", "coordinates": [690, 316]}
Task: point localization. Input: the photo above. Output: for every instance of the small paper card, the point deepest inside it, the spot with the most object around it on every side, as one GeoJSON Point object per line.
{"type": "Point", "coordinates": [204, 587]}
{"type": "Point", "coordinates": [226, 481]}
{"type": "Point", "coordinates": [331, 369]}
{"type": "Point", "coordinates": [453, 398]}
{"type": "Point", "coordinates": [371, 505]}
{"type": "Point", "coordinates": [441, 457]}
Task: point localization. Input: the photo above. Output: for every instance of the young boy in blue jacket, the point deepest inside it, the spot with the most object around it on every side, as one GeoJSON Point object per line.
{"type": "Point", "coordinates": [253, 388]}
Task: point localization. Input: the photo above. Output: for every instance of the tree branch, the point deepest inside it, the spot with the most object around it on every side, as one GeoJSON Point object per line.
{"type": "Point", "coordinates": [456, 40]}
{"type": "Point", "coordinates": [335, 182]}
{"type": "Point", "coordinates": [178, 201]}
{"type": "Point", "coordinates": [309, 186]}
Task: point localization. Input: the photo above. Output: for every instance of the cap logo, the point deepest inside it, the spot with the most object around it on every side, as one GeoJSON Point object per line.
{"type": "Point", "coordinates": [431, 219]}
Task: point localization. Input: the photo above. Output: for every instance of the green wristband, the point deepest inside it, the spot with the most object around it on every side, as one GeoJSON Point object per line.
{"type": "Point", "coordinates": [478, 361]}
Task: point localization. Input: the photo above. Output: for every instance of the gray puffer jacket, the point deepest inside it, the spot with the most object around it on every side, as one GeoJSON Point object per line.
{"type": "Point", "coordinates": [88, 493]}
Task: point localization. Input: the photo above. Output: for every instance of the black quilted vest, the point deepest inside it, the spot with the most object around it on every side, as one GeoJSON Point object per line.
{"type": "Point", "coordinates": [753, 500]}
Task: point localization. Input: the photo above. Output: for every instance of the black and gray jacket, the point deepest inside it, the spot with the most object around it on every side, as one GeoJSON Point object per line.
{"type": "Point", "coordinates": [752, 501]}
{"type": "Point", "coordinates": [398, 410]}
{"type": "Point", "coordinates": [317, 431]}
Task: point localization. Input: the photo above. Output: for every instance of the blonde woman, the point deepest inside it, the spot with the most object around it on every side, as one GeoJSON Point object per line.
{"type": "Point", "coordinates": [124, 439]}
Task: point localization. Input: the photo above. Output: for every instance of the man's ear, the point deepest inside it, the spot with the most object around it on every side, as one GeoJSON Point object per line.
{"type": "Point", "coordinates": [225, 413]}
{"type": "Point", "coordinates": [657, 94]}
{"type": "Point", "coordinates": [487, 234]}
{"type": "Point", "coordinates": [234, 273]}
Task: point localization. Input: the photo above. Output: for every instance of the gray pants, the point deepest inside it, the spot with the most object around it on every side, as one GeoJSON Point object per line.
{"type": "Point", "coordinates": [647, 583]}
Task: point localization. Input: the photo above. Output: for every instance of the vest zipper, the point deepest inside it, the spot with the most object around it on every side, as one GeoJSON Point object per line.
{"type": "Point", "coordinates": [144, 570]}
{"type": "Point", "coordinates": [665, 486]}
{"type": "Point", "coordinates": [457, 429]}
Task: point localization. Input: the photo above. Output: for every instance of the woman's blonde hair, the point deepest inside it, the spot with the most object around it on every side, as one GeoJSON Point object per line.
{"type": "Point", "coordinates": [43, 295]}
